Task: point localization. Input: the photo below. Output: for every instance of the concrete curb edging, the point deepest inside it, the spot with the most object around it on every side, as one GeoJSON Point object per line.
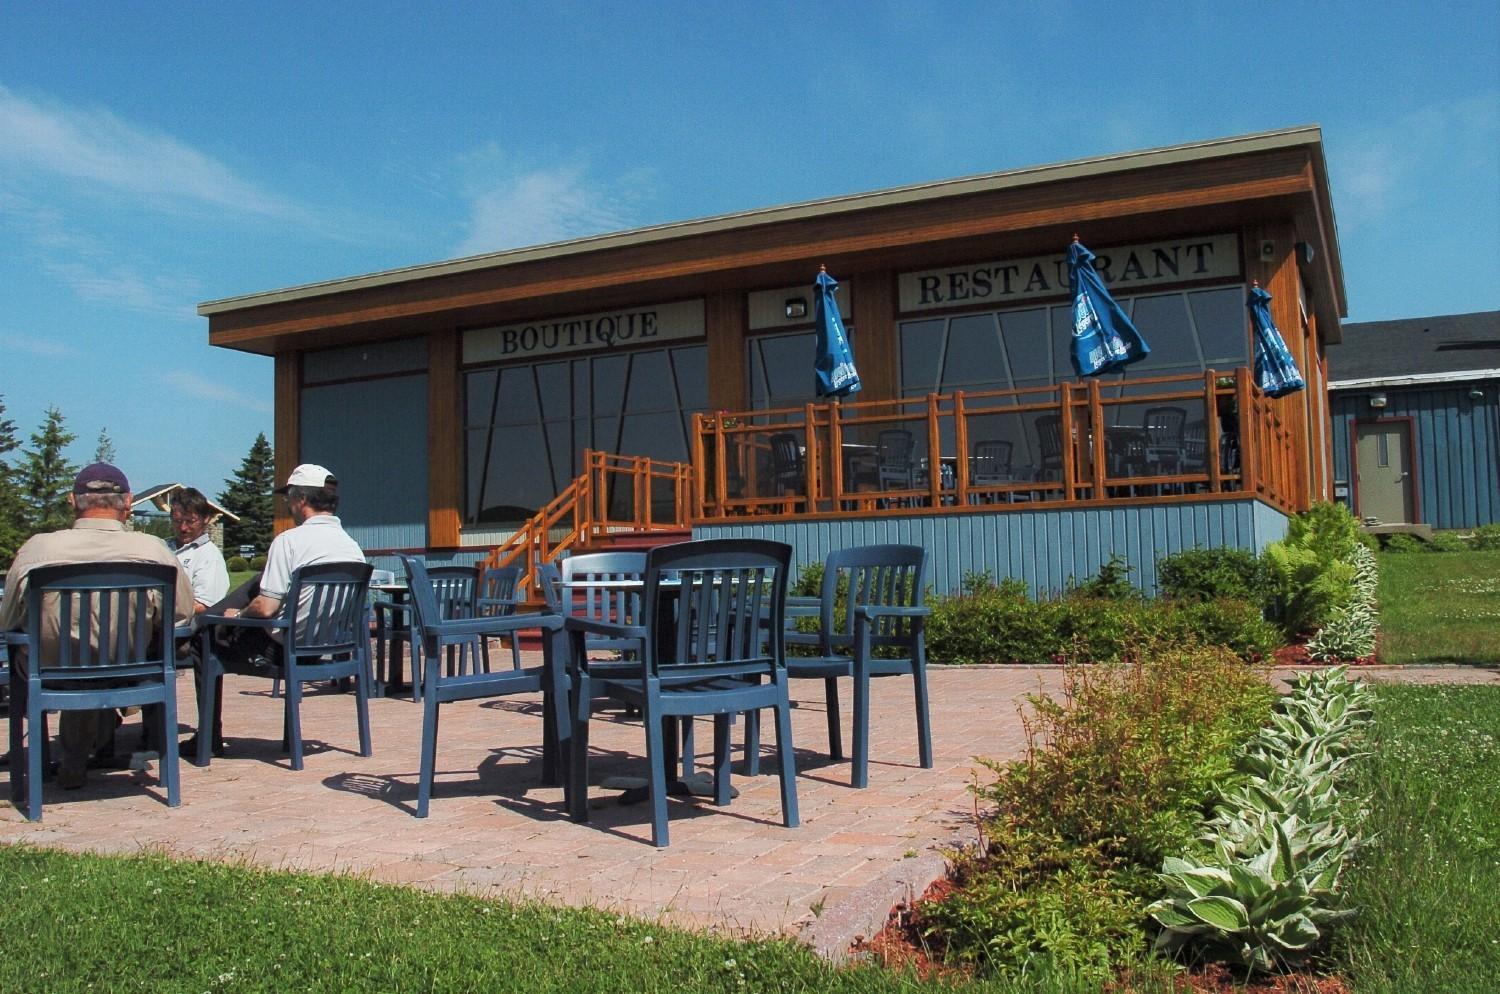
{"type": "Point", "coordinates": [863, 913]}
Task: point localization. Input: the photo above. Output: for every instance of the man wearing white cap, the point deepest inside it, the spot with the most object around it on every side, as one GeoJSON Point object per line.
{"type": "Point", "coordinates": [312, 497]}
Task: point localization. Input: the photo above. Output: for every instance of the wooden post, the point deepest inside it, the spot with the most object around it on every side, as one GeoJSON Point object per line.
{"type": "Point", "coordinates": [934, 453]}
{"type": "Point", "coordinates": [961, 444]}
{"type": "Point", "coordinates": [1065, 433]}
{"type": "Point", "coordinates": [642, 470]}
{"type": "Point", "coordinates": [1211, 441]}
{"type": "Point", "coordinates": [810, 466]}
{"type": "Point", "coordinates": [836, 446]}
{"type": "Point", "coordinates": [1248, 428]}
{"type": "Point", "coordinates": [1098, 451]}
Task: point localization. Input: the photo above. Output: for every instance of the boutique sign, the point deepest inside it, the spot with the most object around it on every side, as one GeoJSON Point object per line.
{"type": "Point", "coordinates": [1124, 268]}
{"type": "Point", "coordinates": [586, 332]}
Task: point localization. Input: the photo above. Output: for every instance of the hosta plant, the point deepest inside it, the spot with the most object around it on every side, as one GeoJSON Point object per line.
{"type": "Point", "coordinates": [1353, 626]}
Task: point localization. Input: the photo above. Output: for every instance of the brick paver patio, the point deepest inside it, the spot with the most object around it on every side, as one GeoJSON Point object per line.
{"type": "Point", "coordinates": [495, 829]}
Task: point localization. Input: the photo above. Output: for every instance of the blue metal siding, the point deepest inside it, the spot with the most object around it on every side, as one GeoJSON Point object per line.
{"type": "Point", "coordinates": [373, 436]}
{"type": "Point", "coordinates": [1457, 441]}
{"type": "Point", "coordinates": [1046, 548]}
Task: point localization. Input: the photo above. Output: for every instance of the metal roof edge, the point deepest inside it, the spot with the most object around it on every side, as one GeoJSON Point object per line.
{"type": "Point", "coordinates": [1414, 379]}
{"type": "Point", "coordinates": [1309, 135]}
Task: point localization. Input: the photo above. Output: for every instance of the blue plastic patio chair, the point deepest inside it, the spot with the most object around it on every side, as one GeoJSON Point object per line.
{"type": "Point", "coordinates": [497, 596]}
{"type": "Point", "coordinates": [326, 638]}
{"type": "Point", "coordinates": [879, 608]}
{"type": "Point", "coordinates": [442, 636]}
{"type": "Point", "coordinates": [712, 643]}
{"type": "Point", "coordinates": [114, 655]}
{"type": "Point", "coordinates": [456, 589]}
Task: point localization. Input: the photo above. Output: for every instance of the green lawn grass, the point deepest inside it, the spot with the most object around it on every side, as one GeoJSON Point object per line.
{"type": "Point", "coordinates": [1440, 607]}
{"type": "Point", "coordinates": [79, 922]}
{"type": "Point", "coordinates": [1428, 885]}
{"type": "Point", "coordinates": [237, 578]}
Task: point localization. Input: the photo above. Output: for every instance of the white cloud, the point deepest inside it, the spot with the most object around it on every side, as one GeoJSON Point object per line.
{"type": "Point", "coordinates": [204, 388]}
{"type": "Point", "coordinates": [45, 348]}
{"type": "Point", "coordinates": [97, 148]}
{"type": "Point", "coordinates": [537, 206]}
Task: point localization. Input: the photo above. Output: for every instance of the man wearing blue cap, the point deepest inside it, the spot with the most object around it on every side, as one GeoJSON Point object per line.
{"type": "Point", "coordinates": [101, 507]}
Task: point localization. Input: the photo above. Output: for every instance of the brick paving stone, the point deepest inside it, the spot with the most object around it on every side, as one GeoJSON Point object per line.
{"type": "Point", "coordinates": [497, 830]}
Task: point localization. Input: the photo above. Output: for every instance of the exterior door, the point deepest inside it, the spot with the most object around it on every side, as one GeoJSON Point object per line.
{"type": "Point", "coordinates": [1384, 472]}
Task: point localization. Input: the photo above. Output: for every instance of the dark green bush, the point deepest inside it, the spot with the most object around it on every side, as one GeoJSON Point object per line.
{"type": "Point", "coordinates": [1447, 542]}
{"type": "Point", "coordinates": [1311, 571]}
{"type": "Point", "coordinates": [258, 563]}
{"type": "Point", "coordinates": [1487, 537]}
{"type": "Point", "coordinates": [1112, 582]}
{"type": "Point", "coordinates": [1213, 574]}
{"type": "Point", "coordinates": [236, 564]}
{"type": "Point", "coordinates": [1402, 542]}
{"type": "Point", "coordinates": [1118, 773]}
{"type": "Point", "coordinates": [1237, 625]}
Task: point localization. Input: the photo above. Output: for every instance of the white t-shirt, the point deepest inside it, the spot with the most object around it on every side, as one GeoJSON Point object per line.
{"type": "Point", "coordinates": [319, 539]}
{"type": "Point", "coordinates": [204, 564]}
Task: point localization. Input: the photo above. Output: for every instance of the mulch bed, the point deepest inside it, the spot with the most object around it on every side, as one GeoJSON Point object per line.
{"type": "Point", "coordinates": [900, 946]}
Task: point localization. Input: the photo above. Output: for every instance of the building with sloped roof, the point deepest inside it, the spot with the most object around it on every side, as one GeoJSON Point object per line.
{"type": "Point", "coordinates": [1416, 420]}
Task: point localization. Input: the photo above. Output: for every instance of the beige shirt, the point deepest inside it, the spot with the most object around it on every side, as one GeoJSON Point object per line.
{"type": "Point", "coordinates": [90, 540]}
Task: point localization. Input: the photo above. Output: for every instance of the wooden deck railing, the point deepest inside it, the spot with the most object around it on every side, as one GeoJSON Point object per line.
{"type": "Point", "coordinates": [1069, 443]}
{"type": "Point", "coordinates": [614, 493]}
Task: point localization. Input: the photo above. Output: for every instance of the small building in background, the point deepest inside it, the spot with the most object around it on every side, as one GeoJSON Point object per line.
{"type": "Point", "coordinates": [1416, 420]}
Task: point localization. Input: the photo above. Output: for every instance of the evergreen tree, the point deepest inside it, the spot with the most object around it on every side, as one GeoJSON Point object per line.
{"type": "Point", "coordinates": [47, 477]}
{"type": "Point", "coordinates": [104, 451]}
{"type": "Point", "coordinates": [248, 494]}
{"type": "Point", "coordinates": [12, 508]}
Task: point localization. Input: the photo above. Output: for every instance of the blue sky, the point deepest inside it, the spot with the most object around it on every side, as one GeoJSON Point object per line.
{"type": "Point", "coordinates": [153, 156]}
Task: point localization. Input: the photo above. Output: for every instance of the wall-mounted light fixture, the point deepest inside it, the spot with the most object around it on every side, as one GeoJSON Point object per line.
{"type": "Point", "coordinates": [796, 307]}
{"type": "Point", "coordinates": [1476, 394]}
{"type": "Point", "coordinates": [1377, 400]}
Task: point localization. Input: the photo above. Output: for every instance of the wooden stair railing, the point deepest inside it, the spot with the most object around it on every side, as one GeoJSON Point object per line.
{"type": "Point", "coordinates": [581, 513]}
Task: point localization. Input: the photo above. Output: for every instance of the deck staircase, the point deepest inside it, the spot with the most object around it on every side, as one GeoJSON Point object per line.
{"type": "Point", "coordinates": [618, 502]}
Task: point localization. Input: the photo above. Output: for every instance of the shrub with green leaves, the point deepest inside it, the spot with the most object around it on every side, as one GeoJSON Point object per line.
{"type": "Point", "coordinates": [258, 563]}
{"type": "Point", "coordinates": [1487, 537]}
{"type": "Point", "coordinates": [236, 564]}
{"type": "Point", "coordinates": [1267, 891]}
{"type": "Point", "coordinates": [1310, 570]}
{"type": "Point", "coordinates": [1447, 542]}
{"type": "Point", "coordinates": [1112, 582]}
{"type": "Point", "coordinates": [1353, 628]}
{"type": "Point", "coordinates": [1402, 542]}
{"type": "Point", "coordinates": [1119, 772]}
{"type": "Point", "coordinates": [1213, 574]}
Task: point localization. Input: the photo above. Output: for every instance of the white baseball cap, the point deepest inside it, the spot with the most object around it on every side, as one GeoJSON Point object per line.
{"type": "Point", "coordinates": [309, 475]}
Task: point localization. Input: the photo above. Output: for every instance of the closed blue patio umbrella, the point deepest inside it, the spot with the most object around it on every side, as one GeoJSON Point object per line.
{"type": "Point", "coordinates": [1103, 337]}
{"type": "Point", "coordinates": [1275, 370]}
{"type": "Point", "coordinates": [837, 376]}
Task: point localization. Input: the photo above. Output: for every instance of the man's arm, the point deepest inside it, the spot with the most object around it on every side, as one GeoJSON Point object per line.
{"type": "Point", "coordinates": [264, 606]}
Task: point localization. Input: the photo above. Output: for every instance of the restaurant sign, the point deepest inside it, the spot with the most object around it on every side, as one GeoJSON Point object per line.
{"type": "Point", "coordinates": [1124, 268]}
{"type": "Point", "coordinates": [586, 332]}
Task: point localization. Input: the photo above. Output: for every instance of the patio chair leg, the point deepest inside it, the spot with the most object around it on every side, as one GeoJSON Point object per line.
{"type": "Point", "coordinates": [689, 746]}
{"type": "Point", "coordinates": [752, 743]}
{"type": "Point", "coordinates": [15, 718]}
{"type": "Point", "coordinates": [721, 759]}
{"type": "Point", "coordinates": [656, 760]}
{"type": "Point", "coordinates": [578, 747]}
{"type": "Point", "coordinates": [786, 761]}
{"type": "Point", "coordinates": [362, 707]}
{"type": "Point", "coordinates": [167, 761]}
{"type": "Point", "coordinates": [429, 754]}
{"type": "Point", "coordinates": [36, 736]}
{"type": "Point", "coordinates": [213, 676]}
{"type": "Point", "coordinates": [835, 734]}
{"type": "Point", "coordinates": [860, 776]}
{"type": "Point", "coordinates": [294, 715]}
{"type": "Point", "coordinates": [924, 725]}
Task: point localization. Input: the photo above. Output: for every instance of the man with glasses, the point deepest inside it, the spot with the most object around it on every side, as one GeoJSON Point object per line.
{"type": "Point", "coordinates": [200, 558]}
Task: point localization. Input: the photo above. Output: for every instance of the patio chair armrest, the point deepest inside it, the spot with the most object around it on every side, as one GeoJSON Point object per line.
{"type": "Point", "coordinates": [496, 624]}
{"type": "Point", "coordinates": [381, 604]}
{"type": "Point", "coordinates": [218, 620]}
{"type": "Point", "coordinates": [18, 639]}
{"type": "Point", "coordinates": [802, 638]}
{"type": "Point", "coordinates": [484, 603]}
{"type": "Point", "coordinates": [589, 626]}
{"type": "Point", "coordinates": [869, 612]}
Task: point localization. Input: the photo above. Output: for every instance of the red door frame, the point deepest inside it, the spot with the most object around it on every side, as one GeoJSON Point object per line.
{"type": "Point", "coordinates": [1411, 456]}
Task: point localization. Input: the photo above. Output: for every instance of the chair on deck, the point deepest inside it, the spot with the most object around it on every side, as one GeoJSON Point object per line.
{"type": "Point", "coordinates": [712, 644]}
{"type": "Point", "coordinates": [325, 635]}
{"type": "Point", "coordinates": [879, 608]}
{"type": "Point", "coordinates": [895, 468]}
{"type": "Point", "coordinates": [115, 655]}
{"type": "Point", "coordinates": [441, 635]}
{"type": "Point", "coordinates": [1049, 446]}
{"type": "Point", "coordinates": [989, 467]}
{"type": "Point", "coordinates": [498, 598]}
{"type": "Point", "coordinates": [788, 473]}
{"type": "Point", "coordinates": [1195, 448]}
{"type": "Point", "coordinates": [1164, 439]}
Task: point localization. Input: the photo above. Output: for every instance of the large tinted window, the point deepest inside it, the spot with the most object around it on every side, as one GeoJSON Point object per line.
{"type": "Point", "coordinates": [526, 426]}
{"type": "Point", "coordinates": [781, 368]}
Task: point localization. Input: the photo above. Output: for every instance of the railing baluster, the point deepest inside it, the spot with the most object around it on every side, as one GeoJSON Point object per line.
{"type": "Point", "coordinates": [1065, 433]}
{"type": "Point", "coordinates": [1211, 456]}
{"type": "Point", "coordinates": [1097, 449]}
{"type": "Point", "coordinates": [934, 454]}
{"type": "Point", "coordinates": [961, 447]}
